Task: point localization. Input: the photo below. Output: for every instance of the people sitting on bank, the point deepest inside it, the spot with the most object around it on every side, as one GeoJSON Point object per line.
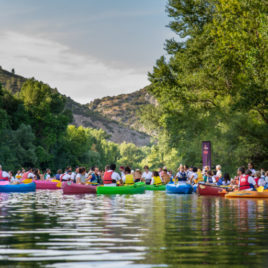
{"type": "Point", "coordinates": [147, 175]}
{"type": "Point", "coordinates": [156, 180]}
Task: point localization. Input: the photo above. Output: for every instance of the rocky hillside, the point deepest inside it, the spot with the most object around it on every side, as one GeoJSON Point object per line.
{"type": "Point", "coordinates": [119, 129]}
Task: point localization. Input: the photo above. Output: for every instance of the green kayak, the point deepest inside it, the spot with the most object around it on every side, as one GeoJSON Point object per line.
{"type": "Point", "coordinates": [133, 189]}
{"type": "Point", "coordinates": [155, 187]}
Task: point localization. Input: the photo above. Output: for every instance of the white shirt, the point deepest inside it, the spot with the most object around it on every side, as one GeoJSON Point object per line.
{"type": "Point", "coordinates": [47, 176]}
{"type": "Point", "coordinates": [147, 175]}
{"type": "Point", "coordinates": [189, 174]}
{"type": "Point", "coordinates": [82, 177]}
{"type": "Point", "coordinates": [66, 177]}
{"type": "Point", "coordinates": [115, 176]}
{"type": "Point", "coordinates": [253, 171]}
{"type": "Point", "coordinates": [251, 180]}
{"type": "Point", "coordinates": [73, 176]}
{"type": "Point", "coordinates": [30, 175]}
{"type": "Point", "coordinates": [219, 174]}
{"type": "Point", "coordinates": [5, 174]}
{"type": "Point", "coordinates": [261, 182]}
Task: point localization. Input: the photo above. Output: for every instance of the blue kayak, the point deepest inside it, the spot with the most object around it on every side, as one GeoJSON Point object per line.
{"type": "Point", "coordinates": [179, 188]}
{"type": "Point", "coordinates": [18, 188]}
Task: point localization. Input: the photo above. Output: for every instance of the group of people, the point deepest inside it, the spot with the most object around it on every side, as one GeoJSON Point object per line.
{"type": "Point", "coordinates": [246, 179]}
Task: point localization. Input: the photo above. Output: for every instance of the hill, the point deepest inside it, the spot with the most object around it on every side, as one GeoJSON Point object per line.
{"type": "Point", "coordinates": [118, 128]}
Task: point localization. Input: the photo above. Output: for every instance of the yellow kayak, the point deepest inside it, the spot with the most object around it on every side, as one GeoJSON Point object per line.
{"type": "Point", "coordinates": [247, 194]}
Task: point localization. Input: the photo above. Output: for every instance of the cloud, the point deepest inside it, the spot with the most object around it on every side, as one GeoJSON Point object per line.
{"type": "Point", "coordinates": [82, 77]}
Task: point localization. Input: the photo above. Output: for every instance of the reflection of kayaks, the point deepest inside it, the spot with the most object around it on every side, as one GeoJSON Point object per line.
{"type": "Point", "coordinates": [208, 189]}
{"type": "Point", "coordinates": [155, 187]}
{"type": "Point", "coordinates": [247, 194]}
{"type": "Point", "coordinates": [47, 185]}
{"type": "Point", "coordinates": [179, 188]}
{"type": "Point", "coordinates": [73, 188]}
{"type": "Point", "coordinates": [132, 189]}
{"type": "Point", "coordinates": [18, 188]}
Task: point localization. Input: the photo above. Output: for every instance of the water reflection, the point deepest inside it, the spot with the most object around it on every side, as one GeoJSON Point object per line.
{"type": "Point", "coordinates": [155, 229]}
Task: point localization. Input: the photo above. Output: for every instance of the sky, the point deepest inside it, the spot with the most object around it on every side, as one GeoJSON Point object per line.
{"type": "Point", "coordinates": [86, 49]}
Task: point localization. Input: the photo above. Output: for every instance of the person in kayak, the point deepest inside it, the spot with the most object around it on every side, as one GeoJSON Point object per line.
{"type": "Point", "coordinates": [47, 174]}
{"type": "Point", "coordinates": [110, 176]}
{"type": "Point", "coordinates": [4, 176]}
{"type": "Point", "coordinates": [156, 180]}
{"type": "Point", "coordinates": [137, 176]}
{"type": "Point", "coordinates": [225, 180]}
{"type": "Point", "coordinates": [67, 176]}
{"type": "Point", "coordinates": [246, 182]}
{"type": "Point", "coordinates": [95, 178]}
{"type": "Point", "coordinates": [260, 181]}
{"type": "Point", "coordinates": [147, 175]}
{"type": "Point", "coordinates": [128, 178]}
{"type": "Point", "coordinates": [57, 176]}
{"type": "Point", "coordinates": [165, 176]}
{"type": "Point", "coordinates": [251, 168]}
{"type": "Point", "coordinates": [81, 176]}
{"type": "Point", "coordinates": [181, 176]}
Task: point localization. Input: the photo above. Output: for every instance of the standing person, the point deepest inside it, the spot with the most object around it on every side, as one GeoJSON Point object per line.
{"type": "Point", "coordinates": [165, 177]}
{"type": "Point", "coordinates": [4, 176]}
{"type": "Point", "coordinates": [218, 172]}
{"type": "Point", "coordinates": [111, 177]}
{"type": "Point", "coordinates": [156, 180]}
{"type": "Point", "coordinates": [47, 174]}
{"type": "Point", "coordinates": [81, 176]}
{"type": "Point", "coordinates": [251, 168]}
{"type": "Point", "coordinates": [147, 175]}
{"type": "Point", "coordinates": [95, 177]}
{"type": "Point", "coordinates": [246, 182]}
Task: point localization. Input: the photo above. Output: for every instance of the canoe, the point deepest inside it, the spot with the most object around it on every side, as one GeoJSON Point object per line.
{"type": "Point", "coordinates": [4, 182]}
{"type": "Point", "coordinates": [133, 189]}
{"type": "Point", "coordinates": [46, 185]}
{"type": "Point", "coordinates": [179, 188]}
{"type": "Point", "coordinates": [208, 189]}
{"type": "Point", "coordinates": [155, 187]}
{"type": "Point", "coordinates": [18, 188]}
{"type": "Point", "coordinates": [247, 194]}
{"type": "Point", "coordinates": [74, 188]}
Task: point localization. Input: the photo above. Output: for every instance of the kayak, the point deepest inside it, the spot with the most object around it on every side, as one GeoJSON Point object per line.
{"type": "Point", "coordinates": [132, 189]}
{"type": "Point", "coordinates": [155, 187]}
{"type": "Point", "coordinates": [18, 188]}
{"type": "Point", "coordinates": [208, 189]}
{"type": "Point", "coordinates": [47, 185]}
{"type": "Point", "coordinates": [247, 194]}
{"type": "Point", "coordinates": [179, 188]}
{"type": "Point", "coordinates": [195, 187]}
{"type": "Point", "coordinates": [74, 188]}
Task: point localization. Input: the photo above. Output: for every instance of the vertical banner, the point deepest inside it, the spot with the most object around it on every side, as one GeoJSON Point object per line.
{"type": "Point", "coordinates": [206, 153]}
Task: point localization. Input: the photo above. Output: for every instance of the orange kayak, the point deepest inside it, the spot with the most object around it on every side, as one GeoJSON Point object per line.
{"type": "Point", "coordinates": [247, 194]}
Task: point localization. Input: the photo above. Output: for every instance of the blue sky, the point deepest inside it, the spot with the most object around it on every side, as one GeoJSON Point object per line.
{"type": "Point", "coordinates": [86, 48]}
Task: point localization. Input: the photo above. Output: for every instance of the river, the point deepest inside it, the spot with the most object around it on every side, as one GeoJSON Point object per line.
{"type": "Point", "coordinates": [48, 229]}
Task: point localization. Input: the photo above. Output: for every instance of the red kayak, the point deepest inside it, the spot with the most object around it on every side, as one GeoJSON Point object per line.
{"type": "Point", "coordinates": [208, 189]}
{"type": "Point", "coordinates": [78, 189]}
{"type": "Point", "coordinates": [46, 185]}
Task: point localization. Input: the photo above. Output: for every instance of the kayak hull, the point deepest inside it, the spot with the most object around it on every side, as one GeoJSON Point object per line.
{"type": "Point", "coordinates": [78, 189]}
{"type": "Point", "coordinates": [18, 188]}
{"type": "Point", "coordinates": [155, 187]}
{"type": "Point", "coordinates": [207, 189]}
{"type": "Point", "coordinates": [247, 194]}
{"type": "Point", "coordinates": [179, 188]}
{"type": "Point", "coordinates": [121, 189]}
{"type": "Point", "coordinates": [46, 185]}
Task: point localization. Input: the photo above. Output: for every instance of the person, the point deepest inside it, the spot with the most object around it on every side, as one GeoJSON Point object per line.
{"type": "Point", "coordinates": [4, 176]}
{"type": "Point", "coordinates": [246, 182]}
{"type": "Point", "coordinates": [111, 177]}
{"type": "Point", "coordinates": [11, 177]}
{"type": "Point", "coordinates": [194, 176]}
{"type": "Point", "coordinates": [225, 180]}
{"type": "Point", "coordinates": [209, 177]}
{"type": "Point", "coordinates": [122, 171]}
{"type": "Point", "coordinates": [156, 180]}
{"type": "Point", "coordinates": [266, 176]}
{"type": "Point", "coordinates": [165, 176]}
{"type": "Point", "coordinates": [260, 181]}
{"type": "Point", "coordinates": [95, 177]}
{"type": "Point", "coordinates": [128, 178]}
{"type": "Point", "coordinates": [18, 175]}
{"type": "Point", "coordinates": [47, 174]}
{"type": "Point", "coordinates": [214, 177]}
{"type": "Point", "coordinates": [37, 174]}
{"type": "Point", "coordinates": [66, 176]}
{"type": "Point", "coordinates": [59, 172]}
{"type": "Point", "coordinates": [199, 175]}
{"type": "Point", "coordinates": [28, 175]}
{"type": "Point", "coordinates": [73, 175]}
{"type": "Point", "coordinates": [189, 172]}
{"type": "Point", "coordinates": [81, 176]}
{"type": "Point", "coordinates": [218, 172]}
{"type": "Point", "coordinates": [137, 176]}
{"type": "Point", "coordinates": [251, 168]}
{"type": "Point", "coordinates": [147, 175]}
{"type": "Point", "coordinates": [181, 175]}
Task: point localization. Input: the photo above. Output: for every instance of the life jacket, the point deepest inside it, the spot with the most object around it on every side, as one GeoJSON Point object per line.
{"type": "Point", "coordinates": [157, 180]}
{"type": "Point", "coordinates": [243, 179]}
{"type": "Point", "coordinates": [1, 176]}
{"type": "Point", "coordinates": [209, 180]}
{"type": "Point", "coordinates": [129, 179]}
{"type": "Point", "coordinates": [107, 178]}
{"type": "Point", "coordinates": [183, 176]}
{"type": "Point", "coordinates": [25, 175]}
{"type": "Point", "coordinates": [257, 181]}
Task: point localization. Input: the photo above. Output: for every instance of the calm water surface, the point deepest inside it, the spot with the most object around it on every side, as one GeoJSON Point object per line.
{"type": "Point", "coordinates": [47, 229]}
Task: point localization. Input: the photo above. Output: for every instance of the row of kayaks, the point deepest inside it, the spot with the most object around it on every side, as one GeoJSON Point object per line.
{"type": "Point", "coordinates": [137, 188]}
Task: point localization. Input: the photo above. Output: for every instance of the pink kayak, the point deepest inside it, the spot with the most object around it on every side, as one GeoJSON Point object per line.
{"type": "Point", "coordinates": [78, 189]}
{"type": "Point", "coordinates": [46, 185]}
{"type": "Point", "coordinates": [4, 182]}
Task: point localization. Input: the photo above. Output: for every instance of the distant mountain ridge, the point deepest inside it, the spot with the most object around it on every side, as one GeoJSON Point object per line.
{"type": "Point", "coordinates": [121, 123]}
